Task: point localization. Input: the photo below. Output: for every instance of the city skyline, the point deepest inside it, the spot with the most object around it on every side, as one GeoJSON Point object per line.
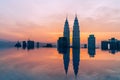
{"type": "Point", "coordinates": [44, 20]}
{"type": "Point", "coordinates": [59, 39]}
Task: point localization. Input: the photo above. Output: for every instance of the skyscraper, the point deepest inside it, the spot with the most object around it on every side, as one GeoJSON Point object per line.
{"type": "Point", "coordinates": [76, 34]}
{"type": "Point", "coordinates": [62, 42]}
{"type": "Point", "coordinates": [66, 32]}
{"type": "Point", "coordinates": [104, 45]}
{"type": "Point", "coordinates": [91, 42]}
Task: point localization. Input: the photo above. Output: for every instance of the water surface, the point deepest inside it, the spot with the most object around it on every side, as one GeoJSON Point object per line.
{"type": "Point", "coordinates": [49, 64]}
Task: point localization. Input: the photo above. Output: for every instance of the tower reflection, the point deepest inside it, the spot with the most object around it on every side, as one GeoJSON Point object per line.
{"type": "Point", "coordinates": [66, 57]}
{"type": "Point", "coordinates": [91, 52]}
{"type": "Point", "coordinates": [76, 59]}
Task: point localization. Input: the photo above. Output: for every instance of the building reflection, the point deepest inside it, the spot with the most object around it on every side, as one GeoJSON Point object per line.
{"type": "Point", "coordinates": [112, 45]}
{"type": "Point", "coordinates": [113, 51]}
{"type": "Point", "coordinates": [91, 52]}
{"type": "Point", "coordinates": [76, 60]}
{"type": "Point", "coordinates": [66, 57]}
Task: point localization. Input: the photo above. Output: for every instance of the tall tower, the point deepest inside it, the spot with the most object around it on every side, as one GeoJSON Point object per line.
{"type": "Point", "coordinates": [91, 42]}
{"type": "Point", "coordinates": [76, 34]}
{"type": "Point", "coordinates": [67, 32]}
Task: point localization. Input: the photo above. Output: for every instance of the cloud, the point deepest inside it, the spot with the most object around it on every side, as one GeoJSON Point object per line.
{"type": "Point", "coordinates": [103, 19]}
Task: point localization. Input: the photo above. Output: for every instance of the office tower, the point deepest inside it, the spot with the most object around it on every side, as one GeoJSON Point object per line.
{"type": "Point", "coordinates": [76, 34]}
{"type": "Point", "coordinates": [24, 44]}
{"type": "Point", "coordinates": [85, 46]}
{"type": "Point", "coordinates": [37, 44]}
{"type": "Point", "coordinates": [62, 42]}
{"type": "Point", "coordinates": [18, 44]}
{"type": "Point", "coordinates": [118, 45]}
{"type": "Point", "coordinates": [91, 42]}
{"type": "Point", "coordinates": [66, 32]}
{"type": "Point", "coordinates": [30, 44]}
{"type": "Point", "coordinates": [104, 45]}
{"type": "Point", "coordinates": [113, 43]}
{"type": "Point", "coordinates": [49, 45]}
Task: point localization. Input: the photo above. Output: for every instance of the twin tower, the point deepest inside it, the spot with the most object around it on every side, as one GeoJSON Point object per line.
{"type": "Point", "coordinates": [75, 35]}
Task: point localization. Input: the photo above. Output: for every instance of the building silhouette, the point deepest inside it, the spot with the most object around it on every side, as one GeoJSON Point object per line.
{"type": "Point", "coordinates": [85, 45]}
{"type": "Point", "coordinates": [91, 42]}
{"type": "Point", "coordinates": [104, 45]}
{"type": "Point", "coordinates": [113, 43]}
{"type": "Point", "coordinates": [30, 44]}
{"type": "Point", "coordinates": [48, 45]}
{"type": "Point", "coordinates": [76, 34]}
{"type": "Point", "coordinates": [62, 42]}
{"type": "Point", "coordinates": [91, 45]}
{"type": "Point", "coordinates": [18, 44]}
{"type": "Point", "coordinates": [118, 45]}
{"type": "Point", "coordinates": [24, 44]}
{"type": "Point", "coordinates": [37, 44]}
{"type": "Point", "coordinates": [66, 32]}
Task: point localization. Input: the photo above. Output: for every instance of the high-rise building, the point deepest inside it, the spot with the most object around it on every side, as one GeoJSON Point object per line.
{"type": "Point", "coordinates": [76, 34]}
{"type": "Point", "coordinates": [37, 44]}
{"type": "Point", "coordinates": [118, 45]}
{"type": "Point", "coordinates": [113, 43]}
{"type": "Point", "coordinates": [24, 44]}
{"type": "Point", "coordinates": [62, 42]}
{"type": "Point", "coordinates": [30, 44]}
{"type": "Point", "coordinates": [104, 45]}
{"type": "Point", "coordinates": [91, 42]}
{"type": "Point", "coordinates": [66, 32]}
{"type": "Point", "coordinates": [18, 44]}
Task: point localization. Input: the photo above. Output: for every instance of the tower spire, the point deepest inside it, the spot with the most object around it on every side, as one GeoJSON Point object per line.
{"type": "Point", "coordinates": [76, 34]}
{"type": "Point", "coordinates": [66, 19]}
{"type": "Point", "coordinates": [76, 16]}
{"type": "Point", "coordinates": [66, 32]}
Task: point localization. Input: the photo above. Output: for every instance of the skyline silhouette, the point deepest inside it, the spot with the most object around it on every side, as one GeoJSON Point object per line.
{"type": "Point", "coordinates": [22, 21]}
{"type": "Point", "coordinates": [59, 39]}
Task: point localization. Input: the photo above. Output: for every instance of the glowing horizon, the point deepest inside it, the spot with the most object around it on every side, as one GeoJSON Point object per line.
{"type": "Point", "coordinates": [44, 20]}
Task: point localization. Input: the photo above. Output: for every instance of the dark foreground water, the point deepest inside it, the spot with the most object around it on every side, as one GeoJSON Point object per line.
{"type": "Point", "coordinates": [49, 64]}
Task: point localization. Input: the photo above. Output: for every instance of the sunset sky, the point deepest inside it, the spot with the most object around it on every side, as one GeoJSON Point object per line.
{"type": "Point", "coordinates": [43, 20]}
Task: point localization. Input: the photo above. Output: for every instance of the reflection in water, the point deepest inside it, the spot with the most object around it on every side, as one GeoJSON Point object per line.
{"type": "Point", "coordinates": [113, 51]}
{"type": "Point", "coordinates": [76, 59]}
{"type": "Point", "coordinates": [66, 58]}
{"type": "Point", "coordinates": [47, 64]}
{"type": "Point", "coordinates": [91, 52]}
